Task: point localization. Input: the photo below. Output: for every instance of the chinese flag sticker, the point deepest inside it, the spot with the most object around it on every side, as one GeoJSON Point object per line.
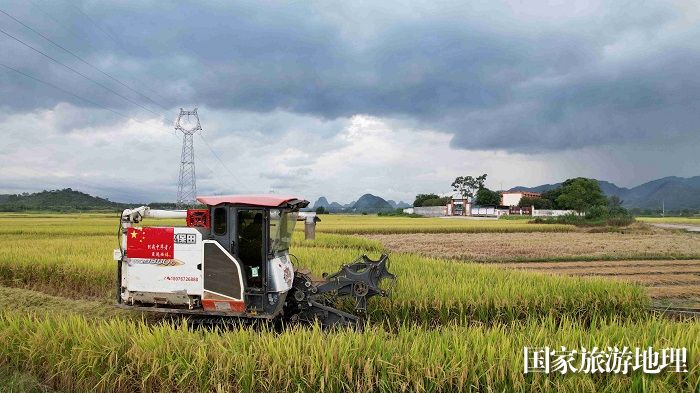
{"type": "Point", "coordinates": [150, 243]}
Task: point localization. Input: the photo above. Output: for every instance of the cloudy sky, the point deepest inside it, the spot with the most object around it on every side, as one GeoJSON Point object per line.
{"type": "Point", "coordinates": [338, 99]}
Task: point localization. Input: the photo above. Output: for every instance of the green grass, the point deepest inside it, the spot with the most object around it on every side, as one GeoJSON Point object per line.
{"type": "Point", "coordinates": [76, 354]}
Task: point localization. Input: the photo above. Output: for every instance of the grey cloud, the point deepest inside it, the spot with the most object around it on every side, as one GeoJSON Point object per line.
{"type": "Point", "coordinates": [288, 176]}
{"type": "Point", "coordinates": [507, 76]}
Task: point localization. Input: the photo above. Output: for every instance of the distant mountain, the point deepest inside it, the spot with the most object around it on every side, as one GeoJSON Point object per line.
{"type": "Point", "coordinates": [371, 203]}
{"type": "Point", "coordinates": [321, 202]}
{"type": "Point", "coordinates": [607, 188]}
{"type": "Point", "coordinates": [399, 205]}
{"type": "Point", "coordinates": [367, 203]}
{"type": "Point", "coordinates": [57, 200]}
{"type": "Point", "coordinates": [335, 207]}
{"type": "Point", "coordinates": [674, 192]}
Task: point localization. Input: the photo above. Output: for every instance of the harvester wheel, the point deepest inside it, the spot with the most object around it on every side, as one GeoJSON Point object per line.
{"type": "Point", "coordinates": [360, 289]}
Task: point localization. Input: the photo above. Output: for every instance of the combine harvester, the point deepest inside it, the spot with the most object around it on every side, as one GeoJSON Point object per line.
{"type": "Point", "coordinates": [231, 262]}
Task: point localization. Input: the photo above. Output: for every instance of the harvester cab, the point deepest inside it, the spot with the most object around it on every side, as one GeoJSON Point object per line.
{"type": "Point", "coordinates": [232, 261]}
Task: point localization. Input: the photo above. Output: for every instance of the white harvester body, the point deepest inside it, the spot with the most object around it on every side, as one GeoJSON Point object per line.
{"type": "Point", "coordinates": [232, 259]}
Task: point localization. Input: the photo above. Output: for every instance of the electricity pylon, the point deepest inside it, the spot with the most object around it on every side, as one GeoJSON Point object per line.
{"type": "Point", "coordinates": [187, 184]}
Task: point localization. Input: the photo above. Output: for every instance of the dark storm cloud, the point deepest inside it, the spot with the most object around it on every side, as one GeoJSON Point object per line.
{"type": "Point", "coordinates": [519, 78]}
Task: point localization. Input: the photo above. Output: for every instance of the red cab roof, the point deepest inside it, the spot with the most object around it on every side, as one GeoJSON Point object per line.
{"type": "Point", "coordinates": [251, 200]}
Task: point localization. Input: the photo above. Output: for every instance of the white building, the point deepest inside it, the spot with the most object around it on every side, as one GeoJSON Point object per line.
{"type": "Point", "coordinates": [512, 198]}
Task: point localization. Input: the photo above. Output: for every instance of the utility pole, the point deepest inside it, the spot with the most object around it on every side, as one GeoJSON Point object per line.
{"type": "Point", "coordinates": [663, 208]}
{"type": "Point", "coordinates": [188, 123]}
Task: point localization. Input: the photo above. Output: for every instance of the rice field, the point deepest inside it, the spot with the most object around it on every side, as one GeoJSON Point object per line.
{"type": "Point", "coordinates": [449, 326]}
{"type": "Point", "coordinates": [664, 262]}
{"type": "Point", "coordinates": [81, 268]}
{"type": "Point", "coordinates": [359, 224]}
{"type": "Point", "coordinates": [543, 247]}
{"type": "Point", "coordinates": [671, 220]}
{"type": "Point", "coordinates": [668, 282]}
{"type": "Point", "coordinates": [75, 354]}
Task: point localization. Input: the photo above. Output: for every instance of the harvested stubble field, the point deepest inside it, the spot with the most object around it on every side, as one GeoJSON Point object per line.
{"type": "Point", "coordinates": [573, 246]}
{"type": "Point", "coordinates": [450, 326]}
{"type": "Point", "coordinates": [669, 282]}
{"type": "Point", "coordinates": [667, 263]}
{"type": "Point", "coordinates": [360, 224]}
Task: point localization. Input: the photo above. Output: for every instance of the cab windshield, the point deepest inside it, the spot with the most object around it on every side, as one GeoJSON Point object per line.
{"type": "Point", "coordinates": [281, 228]}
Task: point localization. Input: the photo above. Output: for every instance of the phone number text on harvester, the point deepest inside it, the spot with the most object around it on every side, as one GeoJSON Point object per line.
{"type": "Point", "coordinates": [182, 278]}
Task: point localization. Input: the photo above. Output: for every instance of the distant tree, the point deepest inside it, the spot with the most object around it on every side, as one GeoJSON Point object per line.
{"type": "Point", "coordinates": [538, 203]}
{"type": "Point", "coordinates": [467, 186]}
{"type": "Point", "coordinates": [581, 194]}
{"type": "Point", "coordinates": [321, 210]}
{"type": "Point", "coordinates": [551, 196]}
{"type": "Point", "coordinates": [486, 197]}
{"type": "Point", "coordinates": [614, 201]}
{"type": "Point", "coordinates": [440, 201]}
{"type": "Point", "coordinates": [420, 198]}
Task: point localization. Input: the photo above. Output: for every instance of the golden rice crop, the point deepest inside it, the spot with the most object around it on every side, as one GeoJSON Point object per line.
{"type": "Point", "coordinates": [104, 224]}
{"type": "Point", "coordinates": [428, 290]}
{"type": "Point", "coordinates": [59, 264]}
{"type": "Point", "coordinates": [671, 220]}
{"type": "Point", "coordinates": [449, 326]}
{"type": "Point", "coordinates": [360, 224]}
{"type": "Point", "coordinates": [329, 240]}
{"type": "Point", "coordinates": [438, 291]}
{"type": "Point", "coordinates": [76, 354]}
{"type": "Point", "coordinates": [69, 224]}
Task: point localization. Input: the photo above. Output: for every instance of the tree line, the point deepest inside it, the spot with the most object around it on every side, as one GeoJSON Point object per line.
{"type": "Point", "coordinates": [582, 195]}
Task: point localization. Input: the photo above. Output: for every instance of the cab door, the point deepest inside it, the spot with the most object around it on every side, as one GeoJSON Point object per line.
{"type": "Point", "coordinates": [249, 246]}
{"type": "Point", "coordinates": [223, 227]}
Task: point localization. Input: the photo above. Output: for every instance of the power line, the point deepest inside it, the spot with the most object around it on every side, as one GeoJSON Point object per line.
{"type": "Point", "coordinates": [89, 101]}
{"type": "Point", "coordinates": [201, 161]}
{"type": "Point", "coordinates": [90, 79]}
{"type": "Point", "coordinates": [108, 34]}
{"type": "Point", "coordinates": [80, 36]}
{"type": "Point", "coordinates": [80, 58]}
{"type": "Point", "coordinates": [65, 91]}
{"type": "Point", "coordinates": [220, 160]}
{"type": "Point", "coordinates": [77, 72]}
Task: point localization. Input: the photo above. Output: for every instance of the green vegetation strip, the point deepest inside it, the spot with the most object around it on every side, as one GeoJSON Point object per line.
{"type": "Point", "coordinates": [77, 354]}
